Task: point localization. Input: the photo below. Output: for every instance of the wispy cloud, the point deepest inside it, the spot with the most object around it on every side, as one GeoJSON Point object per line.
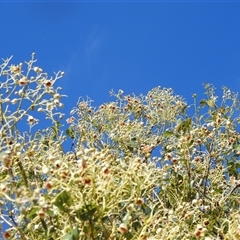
{"type": "Point", "coordinates": [94, 42]}
{"type": "Point", "coordinates": [85, 55]}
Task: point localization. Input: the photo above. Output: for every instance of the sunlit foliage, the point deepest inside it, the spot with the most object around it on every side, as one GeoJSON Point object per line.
{"type": "Point", "coordinates": [139, 167]}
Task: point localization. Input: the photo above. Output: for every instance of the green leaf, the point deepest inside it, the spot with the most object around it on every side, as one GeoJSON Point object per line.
{"type": "Point", "coordinates": [86, 212]}
{"type": "Point", "coordinates": [185, 125]}
{"type": "Point", "coordinates": [70, 133]}
{"type": "Point", "coordinates": [45, 141]}
{"type": "Point", "coordinates": [88, 215]}
{"type": "Point", "coordinates": [183, 110]}
{"type": "Point", "coordinates": [74, 235]}
{"type": "Point", "coordinates": [131, 146]}
{"type": "Point", "coordinates": [210, 103]}
{"type": "Point", "coordinates": [190, 143]}
{"type": "Point", "coordinates": [236, 146]}
{"type": "Point", "coordinates": [56, 129]}
{"type": "Point", "coordinates": [168, 134]}
{"type": "Point", "coordinates": [203, 102]}
{"type": "Point", "coordinates": [50, 213]}
{"type": "Point", "coordinates": [94, 122]}
{"type": "Point", "coordinates": [233, 169]}
{"type": "Point", "coordinates": [33, 212]}
{"type": "Point", "coordinates": [62, 200]}
{"type": "Point", "coordinates": [128, 235]}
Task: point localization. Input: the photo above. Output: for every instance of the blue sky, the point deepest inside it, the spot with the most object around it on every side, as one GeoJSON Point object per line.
{"type": "Point", "coordinates": [133, 46]}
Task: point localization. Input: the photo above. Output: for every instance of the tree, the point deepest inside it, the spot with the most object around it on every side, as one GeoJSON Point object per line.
{"type": "Point", "coordinates": [140, 167]}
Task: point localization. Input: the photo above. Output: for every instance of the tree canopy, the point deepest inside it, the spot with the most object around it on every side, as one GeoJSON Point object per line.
{"type": "Point", "coordinates": [140, 167]}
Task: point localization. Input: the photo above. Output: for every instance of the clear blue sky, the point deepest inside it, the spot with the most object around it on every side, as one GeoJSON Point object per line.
{"type": "Point", "coordinates": [133, 46]}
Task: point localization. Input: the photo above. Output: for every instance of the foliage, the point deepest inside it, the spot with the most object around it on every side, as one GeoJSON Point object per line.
{"type": "Point", "coordinates": [140, 167]}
